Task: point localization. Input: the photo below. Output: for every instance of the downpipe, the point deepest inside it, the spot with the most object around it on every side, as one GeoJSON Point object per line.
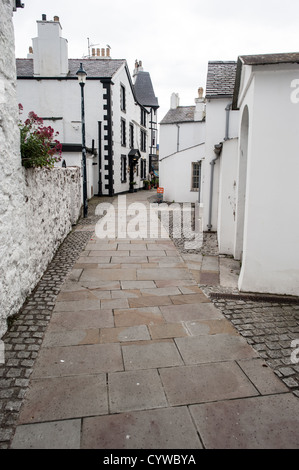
{"type": "Point", "coordinates": [217, 151]}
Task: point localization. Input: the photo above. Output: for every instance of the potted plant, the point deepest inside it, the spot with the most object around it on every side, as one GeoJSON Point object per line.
{"type": "Point", "coordinates": [147, 184]}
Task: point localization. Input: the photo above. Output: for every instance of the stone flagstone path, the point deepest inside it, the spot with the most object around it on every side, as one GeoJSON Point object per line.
{"type": "Point", "coordinates": [135, 356]}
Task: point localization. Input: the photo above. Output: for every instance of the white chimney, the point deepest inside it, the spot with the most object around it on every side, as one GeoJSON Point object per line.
{"type": "Point", "coordinates": [200, 107]}
{"type": "Point", "coordinates": [174, 101]}
{"type": "Point", "coordinates": [138, 68]}
{"type": "Point", "coordinates": [50, 56]}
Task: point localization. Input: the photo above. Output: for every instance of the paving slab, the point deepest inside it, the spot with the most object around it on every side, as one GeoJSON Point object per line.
{"type": "Point", "coordinates": [210, 279]}
{"type": "Point", "coordinates": [210, 327]}
{"type": "Point", "coordinates": [189, 299]}
{"type": "Point", "coordinates": [163, 291]}
{"type": "Point", "coordinates": [153, 253]}
{"type": "Point", "coordinates": [210, 263]}
{"type": "Point", "coordinates": [130, 391]}
{"type": "Point", "coordinates": [114, 303]}
{"type": "Point", "coordinates": [176, 283]}
{"type": "Point", "coordinates": [204, 383]}
{"type": "Point", "coordinates": [71, 338]}
{"type": "Point", "coordinates": [165, 428]}
{"type": "Point", "coordinates": [51, 435]}
{"type": "Point", "coordinates": [119, 335]}
{"type": "Point", "coordinates": [108, 253]}
{"type": "Point", "coordinates": [149, 301]}
{"type": "Point", "coordinates": [53, 399]}
{"type": "Point", "coordinates": [94, 259]}
{"type": "Point", "coordinates": [186, 312]}
{"type": "Point", "coordinates": [262, 376]}
{"type": "Point", "coordinates": [214, 348]}
{"type": "Point", "coordinates": [125, 294]}
{"type": "Point", "coordinates": [81, 320]}
{"type": "Point", "coordinates": [167, 330]}
{"type": "Point", "coordinates": [109, 275]}
{"type": "Point", "coordinates": [129, 259]}
{"type": "Point", "coordinates": [163, 274]}
{"type": "Point", "coordinates": [264, 422]}
{"type": "Point", "coordinates": [137, 284]}
{"type": "Point", "coordinates": [77, 305]}
{"type": "Point", "coordinates": [78, 360]}
{"type": "Point", "coordinates": [138, 316]}
{"type": "Point", "coordinates": [152, 355]}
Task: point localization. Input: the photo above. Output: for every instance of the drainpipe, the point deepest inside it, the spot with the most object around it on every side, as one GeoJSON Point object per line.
{"type": "Point", "coordinates": [217, 150]}
{"type": "Point", "coordinates": [227, 109]}
{"type": "Point", "coordinates": [178, 139]}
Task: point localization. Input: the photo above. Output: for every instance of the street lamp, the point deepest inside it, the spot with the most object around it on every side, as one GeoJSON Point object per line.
{"type": "Point", "coordinates": [82, 79]}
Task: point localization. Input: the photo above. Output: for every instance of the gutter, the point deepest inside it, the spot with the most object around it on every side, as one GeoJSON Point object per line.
{"type": "Point", "coordinates": [217, 150]}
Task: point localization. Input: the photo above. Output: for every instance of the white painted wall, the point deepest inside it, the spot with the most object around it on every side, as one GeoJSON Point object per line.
{"type": "Point", "coordinates": [177, 171]}
{"type": "Point", "coordinates": [227, 196]}
{"type": "Point", "coordinates": [180, 145]}
{"type": "Point", "coordinates": [271, 227]}
{"type": "Point", "coordinates": [215, 133]}
{"type": "Point", "coordinates": [132, 115]}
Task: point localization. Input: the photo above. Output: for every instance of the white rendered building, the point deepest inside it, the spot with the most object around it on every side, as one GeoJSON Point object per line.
{"type": "Point", "coordinates": [119, 124]}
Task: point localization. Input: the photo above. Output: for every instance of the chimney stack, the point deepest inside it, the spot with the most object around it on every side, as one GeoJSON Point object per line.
{"type": "Point", "coordinates": [200, 110]}
{"type": "Point", "coordinates": [50, 58]}
{"type": "Point", "coordinates": [174, 101]}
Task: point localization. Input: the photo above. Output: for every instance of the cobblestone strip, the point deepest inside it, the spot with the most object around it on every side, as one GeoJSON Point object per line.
{"type": "Point", "coordinates": [26, 331]}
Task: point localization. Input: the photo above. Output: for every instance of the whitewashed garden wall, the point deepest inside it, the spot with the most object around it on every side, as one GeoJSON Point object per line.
{"type": "Point", "coordinates": [37, 206]}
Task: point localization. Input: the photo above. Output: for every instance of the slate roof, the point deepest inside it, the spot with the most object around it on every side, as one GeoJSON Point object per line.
{"type": "Point", "coordinates": [220, 79]}
{"type": "Point", "coordinates": [266, 59]}
{"type": "Point", "coordinates": [144, 90]}
{"type": "Point", "coordinates": [261, 59]}
{"type": "Point", "coordinates": [95, 68]}
{"type": "Point", "coordinates": [179, 114]}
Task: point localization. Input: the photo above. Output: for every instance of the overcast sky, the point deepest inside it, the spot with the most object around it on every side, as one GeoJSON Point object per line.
{"type": "Point", "coordinates": [174, 39]}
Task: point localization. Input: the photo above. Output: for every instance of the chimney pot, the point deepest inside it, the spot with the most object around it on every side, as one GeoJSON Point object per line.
{"type": "Point", "coordinates": [98, 52]}
{"type": "Point", "coordinates": [44, 17]}
{"type": "Point", "coordinates": [108, 52]}
{"type": "Point", "coordinates": [30, 50]}
{"type": "Point", "coordinates": [103, 52]}
{"type": "Point", "coordinates": [56, 18]}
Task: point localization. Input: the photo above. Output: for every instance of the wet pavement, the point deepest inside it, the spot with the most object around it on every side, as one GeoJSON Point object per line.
{"type": "Point", "coordinates": [132, 353]}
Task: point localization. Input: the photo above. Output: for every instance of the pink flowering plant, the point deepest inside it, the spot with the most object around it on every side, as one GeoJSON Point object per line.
{"type": "Point", "coordinates": [39, 146]}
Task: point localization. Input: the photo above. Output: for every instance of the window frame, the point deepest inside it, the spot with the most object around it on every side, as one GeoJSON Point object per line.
{"type": "Point", "coordinates": [123, 168]}
{"type": "Point", "coordinates": [194, 176]}
{"type": "Point", "coordinates": [122, 97]}
{"type": "Point", "coordinates": [123, 136]}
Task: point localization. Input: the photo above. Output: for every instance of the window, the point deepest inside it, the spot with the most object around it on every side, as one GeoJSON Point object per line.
{"type": "Point", "coordinates": [196, 174]}
{"type": "Point", "coordinates": [131, 136]}
{"type": "Point", "coordinates": [143, 118]}
{"type": "Point", "coordinates": [122, 98]}
{"type": "Point", "coordinates": [143, 169]}
{"type": "Point", "coordinates": [123, 169]}
{"type": "Point", "coordinates": [123, 132]}
{"type": "Point", "coordinates": [143, 141]}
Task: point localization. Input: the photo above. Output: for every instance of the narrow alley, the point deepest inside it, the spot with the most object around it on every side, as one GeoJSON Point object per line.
{"type": "Point", "coordinates": [124, 350]}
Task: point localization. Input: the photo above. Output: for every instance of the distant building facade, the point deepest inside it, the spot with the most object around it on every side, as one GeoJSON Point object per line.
{"type": "Point", "coordinates": [181, 150]}
{"type": "Point", "coordinates": [119, 124]}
